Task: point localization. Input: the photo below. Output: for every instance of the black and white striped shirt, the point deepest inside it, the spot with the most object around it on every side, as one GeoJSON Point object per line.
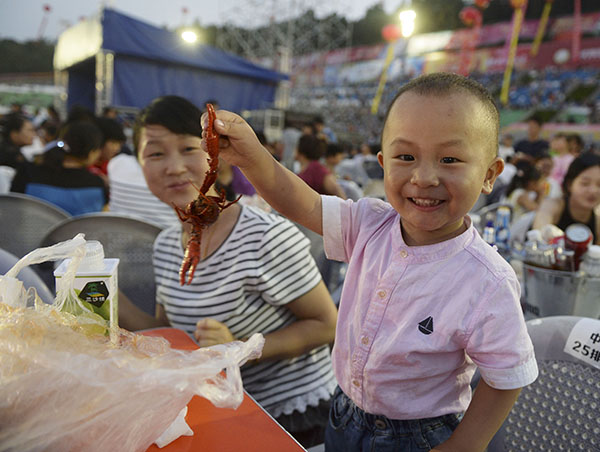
{"type": "Point", "coordinates": [129, 193]}
{"type": "Point", "coordinates": [264, 264]}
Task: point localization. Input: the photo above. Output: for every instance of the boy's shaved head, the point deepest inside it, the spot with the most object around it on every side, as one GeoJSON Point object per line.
{"type": "Point", "coordinates": [444, 84]}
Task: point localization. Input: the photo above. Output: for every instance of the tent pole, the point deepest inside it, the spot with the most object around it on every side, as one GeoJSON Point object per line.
{"type": "Point", "coordinates": [104, 80]}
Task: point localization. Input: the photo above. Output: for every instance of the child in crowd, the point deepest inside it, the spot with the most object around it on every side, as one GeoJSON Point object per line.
{"type": "Point", "coordinates": [526, 189]}
{"type": "Point", "coordinates": [425, 299]}
{"type": "Point", "coordinates": [562, 158]}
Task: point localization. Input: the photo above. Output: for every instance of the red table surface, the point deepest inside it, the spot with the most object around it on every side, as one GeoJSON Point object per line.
{"type": "Point", "coordinates": [248, 429]}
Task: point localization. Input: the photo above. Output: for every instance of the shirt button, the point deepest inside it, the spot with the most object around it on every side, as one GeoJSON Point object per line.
{"type": "Point", "coordinates": [403, 253]}
{"type": "Point", "coordinates": [356, 383]}
{"type": "Point", "coordinates": [365, 340]}
{"type": "Point", "coordinates": [381, 294]}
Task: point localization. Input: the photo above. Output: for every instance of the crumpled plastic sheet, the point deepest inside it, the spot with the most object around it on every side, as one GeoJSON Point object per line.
{"type": "Point", "coordinates": [64, 389]}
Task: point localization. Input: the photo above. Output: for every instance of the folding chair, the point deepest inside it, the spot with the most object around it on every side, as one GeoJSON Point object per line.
{"type": "Point", "coordinates": [24, 220]}
{"type": "Point", "coordinates": [127, 238]}
{"type": "Point", "coordinates": [559, 411]}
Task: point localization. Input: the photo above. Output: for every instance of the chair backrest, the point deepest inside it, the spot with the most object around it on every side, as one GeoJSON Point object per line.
{"type": "Point", "coordinates": [127, 238]}
{"type": "Point", "coordinates": [559, 411]}
{"type": "Point", "coordinates": [27, 276]}
{"type": "Point", "coordinates": [24, 220]}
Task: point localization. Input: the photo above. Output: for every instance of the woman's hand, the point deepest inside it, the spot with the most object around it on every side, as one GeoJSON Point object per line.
{"type": "Point", "coordinates": [212, 332]}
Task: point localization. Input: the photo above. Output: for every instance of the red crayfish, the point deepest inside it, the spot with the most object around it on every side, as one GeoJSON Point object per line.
{"type": "Point", "coordinates": [204, 210]}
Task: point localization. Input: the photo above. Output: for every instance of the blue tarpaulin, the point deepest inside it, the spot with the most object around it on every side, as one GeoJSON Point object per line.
{"type": "Point", "coordinates": [151, 62]}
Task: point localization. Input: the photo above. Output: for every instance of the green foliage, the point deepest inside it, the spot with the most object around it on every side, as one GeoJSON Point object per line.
{"type": "Point", "coordinates": [30, 56]}
{"type": "Point", "coordinates": [367, 31]}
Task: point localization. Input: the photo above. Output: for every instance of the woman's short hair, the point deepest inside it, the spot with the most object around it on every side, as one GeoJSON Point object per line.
{"type": "Point", "coordinates": [174, 113]}
{"type": "Point", "coordinates": [311, 147]}
{"type": "Point", "coordinates": [12, 123]}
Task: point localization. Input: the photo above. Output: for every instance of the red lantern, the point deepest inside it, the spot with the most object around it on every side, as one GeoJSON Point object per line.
{"type": "Point", "coordinates": [470, 16]}
{"type": "Point", "coordinates": [483, 4]}
{"type": "Point", "coordinates": [517, 4]}
{"type": "Point", "coordinates": [391, 32]}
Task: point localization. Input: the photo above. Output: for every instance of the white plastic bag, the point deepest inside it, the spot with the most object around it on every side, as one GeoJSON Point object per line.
{"type": "Point", "coordinates": [64, 388]}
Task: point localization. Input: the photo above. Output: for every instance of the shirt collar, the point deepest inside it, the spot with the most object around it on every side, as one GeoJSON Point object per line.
{"type": "Point", "coordinates": [436, 251]}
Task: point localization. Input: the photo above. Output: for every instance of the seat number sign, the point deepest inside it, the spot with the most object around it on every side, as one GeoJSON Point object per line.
{"type": "Point", "coordinates": [584, 342]}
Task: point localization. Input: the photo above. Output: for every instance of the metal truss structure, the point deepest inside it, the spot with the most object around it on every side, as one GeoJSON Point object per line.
{"type": "Point", "coordinates": [282, 29]}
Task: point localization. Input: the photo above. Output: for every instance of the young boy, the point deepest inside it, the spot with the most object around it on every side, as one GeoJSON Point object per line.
{"type": "Point", "coordinates": [425, 299]}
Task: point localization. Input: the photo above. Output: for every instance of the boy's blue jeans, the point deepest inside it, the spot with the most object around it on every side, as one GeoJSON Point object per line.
{"type": "Point", "coordinates": [350, 429]}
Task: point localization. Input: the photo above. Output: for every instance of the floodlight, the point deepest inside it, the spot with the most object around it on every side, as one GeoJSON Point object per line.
{"type": "Point", "coordinates": [407, 22]}
{"type": "Point", "coordinates": [189, 36]}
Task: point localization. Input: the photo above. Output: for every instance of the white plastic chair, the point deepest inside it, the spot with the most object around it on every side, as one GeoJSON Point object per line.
{"type": "Point", "coordinates": [559, 411]}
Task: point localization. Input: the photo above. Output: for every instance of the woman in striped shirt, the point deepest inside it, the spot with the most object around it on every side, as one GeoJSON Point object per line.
{"type": "Point", "coordinates": [256, 275]}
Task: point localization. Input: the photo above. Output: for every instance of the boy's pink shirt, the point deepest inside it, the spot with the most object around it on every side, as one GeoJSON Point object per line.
{"type": "Point", "coordinates": [382, 359]}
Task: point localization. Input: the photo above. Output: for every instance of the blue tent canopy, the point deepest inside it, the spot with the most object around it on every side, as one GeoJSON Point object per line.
{"type": "Point", "coordinates": [122, 61]}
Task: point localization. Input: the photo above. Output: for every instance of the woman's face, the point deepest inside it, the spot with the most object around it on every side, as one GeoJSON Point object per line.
{"type": "Point", "coordinates": [24, 136]}
{"type": "Point", "coordinates": [585, 189]}
{"type": "Point", "coordinates": [172, 164]}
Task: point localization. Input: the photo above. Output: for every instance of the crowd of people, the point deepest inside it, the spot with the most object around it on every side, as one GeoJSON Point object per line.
{"type": "Point", "coordinates": [557, 180]}
{"type": "Point", "coordinates": [348, 107]}
{"type": "Point", "coordinates": [390, 201]}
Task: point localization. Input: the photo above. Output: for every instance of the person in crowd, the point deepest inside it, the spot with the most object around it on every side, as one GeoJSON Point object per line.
{"type": "Point", "coordinates": [575, 143]}
{"type": "Point", "coordinates": [308, 153]}
{"type": "Point", "coordinates": [255, 275]}
{"type": "Point", "coordinates": [526, 189]}
{"type": "Point", "coordinates": [533, 145]}
{"type": "Point", "coordinates": [80, 113]}
{"type": "Point", "coordinates": [581, 196]}
{"type": "Point", "coordinates": [113, 138]}
{"type": "Point", "coordinates": [334, 155]}
{"type": "Point", "coordinates": [289, 138]}
{"type": "Point", "coordinates": [53, 114]}
{"type": "Point", "coordinates": [17, 132]}
{"type": "Point", "coordinates": [551, 189]}
{"type": "Point", "coordinates": [48, 133]}
{"type": "Point", "coordinates": [506, 149]}
{"type": "Point", "coordinates": [562, 158]}
{"type": "Point", "coordinates": [323, 132]}
{"type": "Point", "coordinates": [404, 353]}
{"type": "Point", "coordinates": [110, 112]}
{"type": "Point", "coordinates": [62, 178]}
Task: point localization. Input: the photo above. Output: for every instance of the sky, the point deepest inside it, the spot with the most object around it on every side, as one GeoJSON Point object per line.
{"type": "Point", "coordinates": [23, 20]}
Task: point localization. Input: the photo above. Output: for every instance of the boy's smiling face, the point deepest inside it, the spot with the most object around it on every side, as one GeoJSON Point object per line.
{"type": "Point", "coordinates": [438, 156]}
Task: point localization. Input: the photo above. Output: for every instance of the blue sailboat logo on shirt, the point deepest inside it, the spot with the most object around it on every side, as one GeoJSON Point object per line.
{"type": "Point", "coordinates": [426, 326]}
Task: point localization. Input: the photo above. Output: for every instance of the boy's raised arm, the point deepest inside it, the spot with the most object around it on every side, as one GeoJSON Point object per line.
{"type": "Point", "coordinates": [281, 188]}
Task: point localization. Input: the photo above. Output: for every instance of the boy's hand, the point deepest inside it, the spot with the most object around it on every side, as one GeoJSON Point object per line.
{"type": "Point", "coordinates": [237, 143]}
